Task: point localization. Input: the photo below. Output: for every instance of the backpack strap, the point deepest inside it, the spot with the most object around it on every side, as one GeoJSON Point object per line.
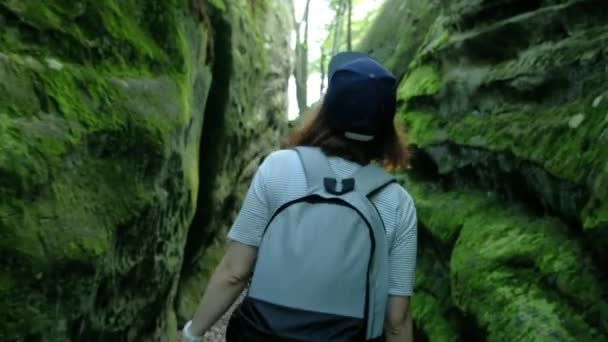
{"type": "Point", "coordinates": [370, 178]}
{"type": "Point", "coordinates": [316, 165]}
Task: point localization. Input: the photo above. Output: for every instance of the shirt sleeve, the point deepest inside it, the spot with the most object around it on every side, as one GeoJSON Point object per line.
{"type": "Point", "coordinates": [254, 214]}
{"type": "Point", "coordinates": [402, 257]}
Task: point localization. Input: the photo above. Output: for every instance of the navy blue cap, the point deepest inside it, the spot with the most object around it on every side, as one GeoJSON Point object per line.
{"type": "Point", "coordinates": [361, 96]}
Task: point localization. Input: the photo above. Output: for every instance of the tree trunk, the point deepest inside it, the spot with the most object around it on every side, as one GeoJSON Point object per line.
{"type": "Point", "coordinates": [305, 19]}
{"type": "Point", "coordinates": [338, 29]}
{"type": "Point", "coordinates": [349, 28]}
{"type": "Point", "coordinates": [301, 67]}
{"type": "Point", "coordinates": [300, 76]}
{"type": "Point", "coordinates": [323, 57]}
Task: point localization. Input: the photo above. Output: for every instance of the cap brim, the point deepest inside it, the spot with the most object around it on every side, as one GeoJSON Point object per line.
{"type": "Point", "coordinates": [358, 136]}
{"type": "Point", "coordinates": [342, 59]}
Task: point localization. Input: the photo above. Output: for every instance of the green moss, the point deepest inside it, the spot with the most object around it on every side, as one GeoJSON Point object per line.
{"type": "Point", "coordinates": [496, 109]}
{"type": "Point", "coordinates": [514, 271]}
{"type": "Point", "coordinates": [77, 95]}
{"type": "Point", "coordinates": [559, 147]}
{"type": "Point", "coordinates": [70, 235]}
{"type": "Point", "coordinates": [52, 15]}
{"type": "Point", "coordinates": [421, 81]}
{"type": "Point", "coordinates": [219, 4]}
{"type": "Point", "coordinates": [437, 37]}
{"type": "Point", "coordinates": [99, 158]}
{"type": "Point", "coordinates": [518, 275]}
{"type": "Point", "coordinates": [432, 308]}
{"type": "Point", "coordinates": [119, 20]}
{"type": "Point", "coordinates": [423, 129]}
{"type": "Point", "coordinates": [563, 151]}
{"type": "Point", "coordinates": [442, 213]}
{"type": "Point", "coordinates": [429, 316]}
{"type": "Point", "coordinates": [487, 106]}
{"type": "Point", "coordinates": [91, 127]}
{"type": "Point", "coordinates": [116, 33]}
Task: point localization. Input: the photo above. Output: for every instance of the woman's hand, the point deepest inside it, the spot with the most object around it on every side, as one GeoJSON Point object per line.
{"type": "Point", "coordinates": [226, 284]}
{"type": "Point", "coordinates": [185, 335]}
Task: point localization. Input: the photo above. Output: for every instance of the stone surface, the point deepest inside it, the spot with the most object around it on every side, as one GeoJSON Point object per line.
{"type": "Point", "coordinates": [502, 101]}
{"type": "Point", "coordinates": [114, 116]}
{"type": "Point", "coordinates": [249, 115]}
{"type": "Point", "coordinates": [398, 19]}
{"type": "Point", "coordinates": [490, 270]}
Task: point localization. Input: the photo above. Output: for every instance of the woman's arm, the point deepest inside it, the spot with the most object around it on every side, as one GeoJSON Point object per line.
{"type": "Point", "coordinates": [225, 286]}
{"type": "Point", "coordinates": [231, 275]}
{"type": "Point", "coordinates": [398, 325]}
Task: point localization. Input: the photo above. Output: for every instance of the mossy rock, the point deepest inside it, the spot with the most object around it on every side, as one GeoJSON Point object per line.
{"type": "Point", "coordinates": [528, 107]}
{"type": "Point", "coordinates": [505, 107]}
{"type": "Point", "coordinates": [101, 121]}
{"type": "Point", "coordinates": [434, 313]}
{"type": "Point", "coordinates": [245, 119]}
{"type": "Point", "coordinates": [398, 30]}
{"type": "Point", "coordinates": [526, 278]}
{"type": "Point", "coordinates": [514, 274]}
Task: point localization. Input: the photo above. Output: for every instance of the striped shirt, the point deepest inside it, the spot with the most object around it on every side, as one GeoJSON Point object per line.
{"type": "Point", "coordinates": [280, 179]}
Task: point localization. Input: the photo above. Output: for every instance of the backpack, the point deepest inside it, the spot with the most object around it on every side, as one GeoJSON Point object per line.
{"type": "Point", "coordinates": [321, 272]}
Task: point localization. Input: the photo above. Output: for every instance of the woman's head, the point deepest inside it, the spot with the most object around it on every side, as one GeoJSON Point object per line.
{"type": "Point", "coordinates": [356, 119]}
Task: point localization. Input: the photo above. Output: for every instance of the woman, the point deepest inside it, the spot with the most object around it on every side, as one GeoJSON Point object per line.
{"type": "Point", "coordinates": [354, 127]}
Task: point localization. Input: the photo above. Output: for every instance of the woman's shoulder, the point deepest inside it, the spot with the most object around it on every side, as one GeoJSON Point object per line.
{"type": "Point", "coordinates": [279, 164]}
{"type": "Point", "coordinates": [281, 157]}
{"type": "Point", "coordinates": [396, 195]}
{"type": "Point", "coordinates": [400, 190]}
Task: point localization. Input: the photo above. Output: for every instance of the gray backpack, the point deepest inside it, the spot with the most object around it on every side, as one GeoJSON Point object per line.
{"type": "Point", "coordinates": [322, 268]}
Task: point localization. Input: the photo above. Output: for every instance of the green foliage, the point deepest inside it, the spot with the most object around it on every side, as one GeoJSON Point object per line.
{"type": "Point", "coordinates": [359, 29]}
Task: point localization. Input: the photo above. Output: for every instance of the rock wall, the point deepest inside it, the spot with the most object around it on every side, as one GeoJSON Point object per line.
{"type": "Point", "coordinates": [506, 107]}
{"type": "Point", "coordinates": [118, 119]}
{"type": "Point", "coordinates": [254, 107]}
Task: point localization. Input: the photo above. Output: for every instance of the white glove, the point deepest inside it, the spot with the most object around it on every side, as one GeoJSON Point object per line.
{"type": "Point", "coordinates": [188, 337]}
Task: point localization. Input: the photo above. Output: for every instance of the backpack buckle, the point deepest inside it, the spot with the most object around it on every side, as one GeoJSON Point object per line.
{"type": "Point", "coordinates": [331, 186]}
